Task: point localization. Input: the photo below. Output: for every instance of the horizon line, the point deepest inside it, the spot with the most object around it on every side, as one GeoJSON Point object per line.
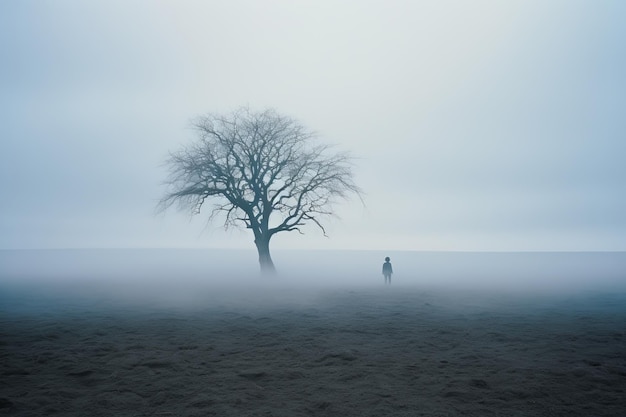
{"type": "Point", "coordinates": [328, 250]}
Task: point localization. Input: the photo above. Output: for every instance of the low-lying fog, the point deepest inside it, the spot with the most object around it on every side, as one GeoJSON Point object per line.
{"type": "Point", "coordinates": [188, 277]}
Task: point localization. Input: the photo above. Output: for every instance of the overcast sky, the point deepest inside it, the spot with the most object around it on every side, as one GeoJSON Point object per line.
{"type": "Point", "coordinates": [482, 125]}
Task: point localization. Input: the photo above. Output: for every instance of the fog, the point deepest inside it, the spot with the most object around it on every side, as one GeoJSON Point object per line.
{"type": "Point", "coordinates": [230, 278]}
{"type": "Point", "coordinates": [497, 125]}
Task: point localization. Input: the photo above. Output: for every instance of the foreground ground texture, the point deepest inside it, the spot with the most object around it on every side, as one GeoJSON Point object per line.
{"type": "Point", "coordinates": [369, 352]}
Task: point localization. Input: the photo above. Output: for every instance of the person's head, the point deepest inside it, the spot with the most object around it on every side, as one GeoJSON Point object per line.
{"type": "Point", "coordinates": [387, 259]}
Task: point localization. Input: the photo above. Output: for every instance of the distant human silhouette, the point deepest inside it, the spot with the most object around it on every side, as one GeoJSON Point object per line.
{"type": "Point", "coordinates": [387, 270]}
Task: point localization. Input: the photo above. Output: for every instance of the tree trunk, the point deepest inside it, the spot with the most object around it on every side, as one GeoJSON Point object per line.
{"type": "Point", "coordinates": [265, 259]}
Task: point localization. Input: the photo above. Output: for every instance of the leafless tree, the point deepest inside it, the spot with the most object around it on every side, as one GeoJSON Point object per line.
{"type": "Point", "coordinates": [260, 170]}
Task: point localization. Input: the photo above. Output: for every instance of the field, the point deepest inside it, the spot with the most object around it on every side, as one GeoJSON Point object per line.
{"type": "Point", "coordinates": [192, 348]}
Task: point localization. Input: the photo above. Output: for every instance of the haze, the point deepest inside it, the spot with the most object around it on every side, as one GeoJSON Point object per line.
{"type": "Point", "coordinates": [479, 126]}
{"type": "Point", "coordinates": [34, 281]}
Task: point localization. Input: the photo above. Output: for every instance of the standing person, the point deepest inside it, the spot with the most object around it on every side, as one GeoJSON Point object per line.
{"type": "Point", "coordinates": [387, 270]}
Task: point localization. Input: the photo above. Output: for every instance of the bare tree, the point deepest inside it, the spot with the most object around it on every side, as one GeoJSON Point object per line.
{"type": "Point", "coordinates": [262, 171]}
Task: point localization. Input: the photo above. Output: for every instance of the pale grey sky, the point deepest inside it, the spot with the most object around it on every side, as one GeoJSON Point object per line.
{"type": "Point", "coordinates": [483, 125]}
